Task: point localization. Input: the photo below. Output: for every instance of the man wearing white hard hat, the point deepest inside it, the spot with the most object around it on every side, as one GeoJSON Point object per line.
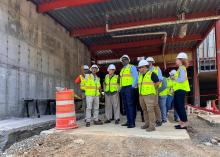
{"type": "Point", "coordinates": [128, 84]}
{"type": "Point", "coordinates": [147, 81]}
{"type": "Point", "coordinates": [81, 80]}
{"type": "Point", "coordinates": [111, 85]}
{"type": "Point", "coordinates": [181, 87]}
{"type": "Point", "coordinates": [92, 92]}
{"type": "Point", "coordinates": [157, 71]}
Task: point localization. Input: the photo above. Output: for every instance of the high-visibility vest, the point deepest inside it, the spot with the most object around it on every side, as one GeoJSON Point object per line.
{"type": "Point", "coordinates": [155, 70]}
{"type": "Point", "coordinates": [165, 91]}
{"type": "Point", "coordinates": [126, 78]}
{"type": "Point", "coordinates": [82, 82]}
{"type": "Point", "coordinates": [145, 84]}
{"type": "Point", "coordinates": [92, 86]}
{"type": "Point", "coordinates": [181, 85]}
{"type": "Point", "coordinates": [170, 86]}
{"type": "Point", "coordinates": [111, 83]}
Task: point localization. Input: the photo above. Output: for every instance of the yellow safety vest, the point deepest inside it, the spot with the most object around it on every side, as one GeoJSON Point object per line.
{"type": "Point", "coordinates": [91, 86]}
{"type": "Point", "coordinates": [82, 82]}
{"type": "Point", "coordinates": [181, 85]}
{"type": "Point", "coordinates": [111, 83]}
{"type": "Point", "coordinates": [126, 78]}
{"type": "Point", "coordinates": [145, 84]}
{"type": "Point", "coordinates": [156, 70]}
{"type": "Point", "coordinates": [165, 91]}
{"type": "Point", "coordinates": [170, 86]}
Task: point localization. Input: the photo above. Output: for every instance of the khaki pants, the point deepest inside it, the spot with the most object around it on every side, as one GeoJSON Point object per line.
{"type": "Point", "coordinates": [92, 102]}
{"type": "Point", "coordinates": [148, 106]}
{"type": "Point", "coordinates": [83, 101]}
{"type": "Point", "coordinates": [112, 102]}
{"type": "Point", "coordinates": [157, 108]}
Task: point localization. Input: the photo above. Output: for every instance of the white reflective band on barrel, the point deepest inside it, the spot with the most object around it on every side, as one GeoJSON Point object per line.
{"type": "Point", "coordinates": [65, 115]}
{"type": "Point", "coordinates": [65, 102]}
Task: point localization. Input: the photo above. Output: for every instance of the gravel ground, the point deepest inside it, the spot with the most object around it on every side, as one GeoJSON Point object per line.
{"type": "Point", "coordinates": [56, 145]}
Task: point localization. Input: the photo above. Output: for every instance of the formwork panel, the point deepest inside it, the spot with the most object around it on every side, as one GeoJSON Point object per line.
{"type": "Point", "coordinates": [13, 49]}
{"type": "Point", "coordinates": [3, 48]}
{"type": "Point", "coordinates": [12, 92]}
{"type": "Point", "coordinates": [3, 77]}
{"type": "Point", "coordinates": [3, 18]}
{"type": "Point", "coordinates": [24, 54]}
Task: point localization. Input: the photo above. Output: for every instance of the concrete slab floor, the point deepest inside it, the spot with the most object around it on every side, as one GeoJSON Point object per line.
{"type": "Point", "coordinates": [166, 131]}
{"type": "Point", "coordinates": [211, 119]}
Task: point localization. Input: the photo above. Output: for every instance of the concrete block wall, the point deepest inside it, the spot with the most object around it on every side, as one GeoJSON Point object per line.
{"type": "Point", "coordinates": [36, 55]}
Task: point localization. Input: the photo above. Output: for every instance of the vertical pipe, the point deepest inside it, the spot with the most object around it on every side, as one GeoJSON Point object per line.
{"type": "Point", "coordinates": [196, 91]}
{"type": "Point", "coordinates": [217, 41]}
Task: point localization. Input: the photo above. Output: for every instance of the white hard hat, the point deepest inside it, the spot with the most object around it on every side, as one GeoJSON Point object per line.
{"type": "Point", "coordinates": [125, 56]}
{"type": "Point", "coordinates": [111, 67]}
{"type": "Point", "coordinates": [143, 62]}
{"type": "Point", "coordinates": [182, 55]}
{"type": "Point", "coordinates": [172, 72]}
{"type": "Point", "coordinates": [94, 66]}
{"type": "Point", "coordinates": [150, 59]}
{"type": "Point", "coordinates": [85, 67]}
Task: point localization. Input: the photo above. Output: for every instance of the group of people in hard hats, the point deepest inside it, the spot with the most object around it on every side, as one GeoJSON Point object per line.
{"type": "Point", "coordinates": [156, 93]}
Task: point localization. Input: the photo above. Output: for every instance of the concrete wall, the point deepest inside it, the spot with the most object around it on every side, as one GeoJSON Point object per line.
{"type": "Point", "coordinates": [36, 55]}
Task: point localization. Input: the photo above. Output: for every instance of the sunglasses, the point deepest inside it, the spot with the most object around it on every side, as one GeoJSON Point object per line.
{"type": "Point", "coordinates": [140, 67]}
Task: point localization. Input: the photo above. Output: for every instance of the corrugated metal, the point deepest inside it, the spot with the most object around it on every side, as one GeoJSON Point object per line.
{"type": "Point", "coordinates": [124, 11]}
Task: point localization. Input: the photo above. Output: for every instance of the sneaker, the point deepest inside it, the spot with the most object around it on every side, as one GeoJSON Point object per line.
{"type": "Point", "coordinates": [150, 129]}
{"type": "Point", "coordinates": [164, 121]}
{"type": "Point", "coordinates": [144, 127]}
{"type": "Point", "coordinates": [107, 121]}
{"type": "Point", "coordinates": [158, 123]}
{"type": "Point", "coordinates": [117, 121]}
{"type": "Point", "coordinates": [87, 124]}
{"type": "Point", "coordinates": [98, 122]}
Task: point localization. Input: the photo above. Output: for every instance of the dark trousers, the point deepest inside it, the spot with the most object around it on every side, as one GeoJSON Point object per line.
{"type": "Point", "coordinates": [179, 104]}
{"type": "Point", "coordinates": [127, 94]}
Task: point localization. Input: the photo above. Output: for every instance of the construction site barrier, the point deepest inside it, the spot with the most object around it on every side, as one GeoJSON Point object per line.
{"type": "Point", "coordinates": [65, 110]}
{"type": "Point", "coordinates": [211, 109]}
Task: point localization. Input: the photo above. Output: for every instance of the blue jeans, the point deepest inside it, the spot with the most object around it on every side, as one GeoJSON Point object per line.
{"type": "Point", "coordinates": [163, 107]}
{"type": "Point", "coordinates": [127, 94]}
{"type": "Point", "coordinates": [170, 104]}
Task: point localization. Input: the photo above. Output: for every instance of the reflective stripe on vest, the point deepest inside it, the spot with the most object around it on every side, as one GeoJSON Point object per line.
{"type": "Point", "coordinates": [181, 85]}
{"type": "Point", "coordinates": [82, 82]}
{"type": "Point", "coordinates": [92, 86]}
{"type": "Point", "coordinates": [145, 84]}
{"type": "Point", "coordinates": [111, 83]}
{"type": "Point", "coordinates": [126, 78]}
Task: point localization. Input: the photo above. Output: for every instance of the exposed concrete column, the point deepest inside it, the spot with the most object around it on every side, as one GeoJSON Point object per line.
{"type": "Point", "coordinates": [196, 88]}
{"type": "Point", "coordinates": [217, 38]}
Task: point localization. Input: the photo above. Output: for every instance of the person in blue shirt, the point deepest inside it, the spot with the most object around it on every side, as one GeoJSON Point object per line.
{"type": "Point", "coordinates": [128, 84]}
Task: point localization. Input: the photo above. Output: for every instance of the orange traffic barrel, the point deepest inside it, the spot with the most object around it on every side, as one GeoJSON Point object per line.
{"type": "Point", "coordinates": [65, 110]}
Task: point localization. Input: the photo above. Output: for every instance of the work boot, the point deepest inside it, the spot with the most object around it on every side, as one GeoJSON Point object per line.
{"type": "Point", "coordinates": [87, 124]}
{"type": "Point", "coordinates": [150, 129]}
{"type": "Point", "coordinates": [144, 126]}
{"type": "Point", "coordinates": [107, 121]}
{"type": "Point", "coordinates": [117, 121]}
{"type": "Point", "coordinates": [98, 122]}
{"type": "Point", "coordinates": [158, 123]}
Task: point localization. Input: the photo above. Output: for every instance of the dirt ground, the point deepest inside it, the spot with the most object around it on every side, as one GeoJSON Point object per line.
{"type": "Point", "coordinates": [56, 145]}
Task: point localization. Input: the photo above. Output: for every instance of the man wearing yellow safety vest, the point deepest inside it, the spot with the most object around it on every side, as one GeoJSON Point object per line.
{"type": "Point", "coordinates": [163, 92]}
{"type": "Point", "coordinates": [92, 91]}
{"type": "Point", "coordinates": [81, 80]}
{"type": "Point", "coordinates": [181, 87]}
{"type": "Point", "coordinates": [147, 81]}
{"type": "Point", "coordinates": [169, 101]}
{"type": "Point", "coordinates": [111, 85]}
{"type": "Point", "coordinates": [128, 84]}
{"type": "Point", "coordinates": [157, 71]}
